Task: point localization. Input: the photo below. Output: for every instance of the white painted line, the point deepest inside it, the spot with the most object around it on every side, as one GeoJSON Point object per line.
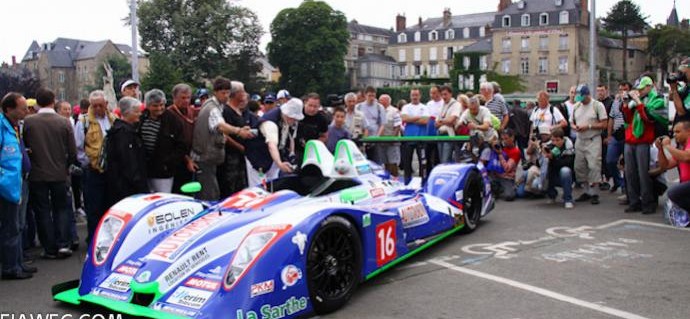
{"type": "Point", "coordinates": [642, 222]}
{"type": "Point", "coordinates": [540, 291]}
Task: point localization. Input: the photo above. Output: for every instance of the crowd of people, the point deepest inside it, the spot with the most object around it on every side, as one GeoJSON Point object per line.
{"type": "Point", "coordinates": [227, 140]}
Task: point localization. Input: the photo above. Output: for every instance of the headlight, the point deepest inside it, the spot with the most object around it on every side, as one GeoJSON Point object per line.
{"type": "Point", "coordinates": [107, 233]}
{"type": "Point", "coordinates": [250, 249]}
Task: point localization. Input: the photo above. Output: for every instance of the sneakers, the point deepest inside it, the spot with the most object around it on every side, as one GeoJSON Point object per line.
{"type": "Point", "coordinates": [64, 252]}
{"type": "Point", "coordinates": [29, 269]}
{"type": "Point", "coordinates": [569, 205]}
{"type": "Point", "coordinates": [584, 197]}
{"type": "Point", "coordinates": [604, 186]}
{"type": "Point", "coordinates": [17, 275]}
{"type": "Point", "coordinates": [46, 255]}
{"type": "Point", "coordinates": [633, 209]}
{"type": "Point", "coordinates": [595, 200]}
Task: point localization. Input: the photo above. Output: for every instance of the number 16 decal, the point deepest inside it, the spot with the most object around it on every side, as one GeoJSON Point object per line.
{"type": "Point", "coordinates": [385, 242]}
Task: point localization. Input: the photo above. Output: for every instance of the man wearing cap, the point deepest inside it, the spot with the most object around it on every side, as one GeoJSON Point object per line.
{"type": "Point", "coordinates": [208, 144]}
{"type": "Point", "coordinates": [588, 120]}
{"type": "Point", "coordinates": [269, 104]}
{"type": "Point", "coordinates": [282, 96]}
{"type": "Point", "coordinates": [644, 109]}
{"type": "Point", "coordinates": [279, 128]}
{"type": "Point", "coordinates": [681, 96]}
{"type": "Point", "coordinates": [130, 88]}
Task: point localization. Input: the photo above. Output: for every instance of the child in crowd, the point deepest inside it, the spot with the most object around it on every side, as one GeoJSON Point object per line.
{"type": "Point", "coordinates": [337, 131]}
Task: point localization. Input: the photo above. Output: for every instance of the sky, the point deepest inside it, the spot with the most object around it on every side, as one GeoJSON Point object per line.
{"type": "Point", "coordinates": [46, 20]}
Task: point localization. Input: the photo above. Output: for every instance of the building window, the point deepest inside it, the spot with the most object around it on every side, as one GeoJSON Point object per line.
{"type": "Point", "coordinates": [544, 19]}
{"type": "Point", "coordinates": [563, 42]}
{"type": "Point", "coordinates": [433, 70]}
{"type": "Point", "coordinates": [505, 66]}
{"type": "Point", "coordinates": [417, 70]}
{"type": "Point", "coordinates": [61, 77]}
{"type": "Point", "coordinates": [506, 45]}
{"type": "Point", "coordinates": [402, 71]}
{"type": "Point", "coordinates": [559, 3]}
{"type": "Point", "coordinates": [363, 70]}
{"type": "Point", "coordinates": [631, 54]}
{"type": "Point", "coordinates": [563, 17]}
{"type": "Point", "coordinates": [563, 64]}
{"type": "Point", "coordinates": [483, 65]}
{"type": "Point", "coordinates": [506, 21]}
{"type": "Point", "coordinates": [402, 38]}
{"type": "Point", "coordinates": [543, 65]}
{"type": "Point", "coordinates": [524, 66]}
{"type": "Point", "coordinates": [433, 35]}
{"type": "Point", "coordinates": [370, 49]}
{"type": "Point", "coordinates": [417, 36]}
{"type": "Point", "coordinates": [525, 20]}
{"type": "Point", "coordinates": [466, 62]}
{"type": "Point", "coordinates": [449, 53]}
{"type": "Point", "coordinates": [544, 42]}
{"type": "Point", "coordinates": [433, 56]}
{"type": "Point", "coordinates": [466, 33]}
{"type": "Point", "coordinates": [417, 54]}
{"type": "Point", "coordinates": [401, 55]}
{"type": "Point", "coordinates": [61, 94]}
{"type": "Point", "coordinates": [450, 34]}
{"type": "Point", "coordinates": [482, 32]}
{"type": "Point", "coordinates": [524, 44]}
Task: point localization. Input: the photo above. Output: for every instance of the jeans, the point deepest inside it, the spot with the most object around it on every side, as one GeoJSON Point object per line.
{"type": "Point", "coordinates": [446, 149]}
{"type": "Point", "coordinates": [23, 207]}
{"type": "Point", "coordinates": [52, 217]}
{"type": "Point", "coordinates": [10, 237]}
{"type": "Point", "coordinates": [564, 179]}
{"type": "Point", "coordinates": [639, 183]}
{"type": "Point", "coordinates": [94, 199]}
{"type": "Point", "coordinates": [408, 153]}
{"type": "Point", "coordinates": [613, 153]}
{"type": "Point", "coordinates": [680, 195]}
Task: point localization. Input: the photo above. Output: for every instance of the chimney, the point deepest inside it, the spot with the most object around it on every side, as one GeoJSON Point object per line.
{"type": "Point", "coordinates": [14, 61]}
{"type": "Point", "coordinates": [420, 22]}
{"type": "Point", "coordinates": [584, 9]}
{"type": "Point", "coordinates": [446, 17]}
{"type": "Point", "coordinates": [400, 23]}
{"type": "Point", "coordinates": [503, 4]}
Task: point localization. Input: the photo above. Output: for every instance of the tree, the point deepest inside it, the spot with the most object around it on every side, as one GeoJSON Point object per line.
{"type": "Point", "coordinates": [122, 71]}
{"type": "Point", "coordinates": [667, 43]}
{"type": "Point", "coordinates": [202, 38]}
{"type": "Point", "coordinates": [623, 17]}
{"type": "Point", "coordinates": [20, 81]}
{"type": "Point", "coordinates": [163, 74]}
{"type": "Point", "coordinates": [308, 45]}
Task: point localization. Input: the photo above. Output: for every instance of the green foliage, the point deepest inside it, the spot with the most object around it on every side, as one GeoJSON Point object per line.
{"type": "Point", "coordinates": [202, 38]}
{"type": "Point", "coordinates": [308, 45]}
{"type": "Point", "coordinates": [666, 43]}
{"type": "Point", "coordinates": [163, 74]}
{"type": "Point", "coordinates": [20, 81]}
{"type": "Point", "coordinates": [625, 16]}
{"type": "Point", "coordinates": [122, 70]}
{"type": "Point", "coordinates": [403, 92]}
{"type": "Point", "coordinates": [509, 83]}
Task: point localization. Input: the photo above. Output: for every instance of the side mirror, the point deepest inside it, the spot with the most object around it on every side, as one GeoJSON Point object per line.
{"type": "Point", "coordinates": [191, 188]}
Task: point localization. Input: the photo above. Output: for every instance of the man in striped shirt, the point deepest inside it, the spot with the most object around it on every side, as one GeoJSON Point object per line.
{"type": "Point", "coordinates": [496, 106]}
{"type": "Point", "coordinates": [616, 136]}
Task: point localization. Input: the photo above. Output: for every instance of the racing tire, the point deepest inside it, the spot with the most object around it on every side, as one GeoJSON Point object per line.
{"type": "Point", "coordinates": [334, 264]}
{"type": "Point", "coordinates": [472, 201]}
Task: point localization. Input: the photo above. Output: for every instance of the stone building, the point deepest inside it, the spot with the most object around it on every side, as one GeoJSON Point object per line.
{"type": "Point", "coordinates": [371, 42]}
{"type": "Point", "coordinates": [69, 66]}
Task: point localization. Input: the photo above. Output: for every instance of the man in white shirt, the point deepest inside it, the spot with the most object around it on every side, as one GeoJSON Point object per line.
{"type": "Point", "coordinates": [433, 109]}
{"type": "Point", "coordinates": [478, 120]}
{"type": "Point", "coordinates": [546, 114]}
{"type": "Point", "coordinates": [415, 117]}
{"type": "Point", "coordinates": [446, 123]}
{"type": "Point", "coordinates": [569, 105]}
{"type": "Point", "coordinates": [374, 114]}
{"type": "Point", "coordinates": [391, 127]}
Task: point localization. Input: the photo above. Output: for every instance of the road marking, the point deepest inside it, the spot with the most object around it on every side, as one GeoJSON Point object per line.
{"type": "Point", "coordinates": [540, 291]}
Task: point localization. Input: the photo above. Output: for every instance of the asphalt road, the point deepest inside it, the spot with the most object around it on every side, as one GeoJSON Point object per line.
{"type": "Point", "coordinates": [527, 260]}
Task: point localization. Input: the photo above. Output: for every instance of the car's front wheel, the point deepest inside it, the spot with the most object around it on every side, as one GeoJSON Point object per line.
{"type": "Point", "coordinates": [334, 264]}
{"type": "Point", "coordinates": [472, 201]}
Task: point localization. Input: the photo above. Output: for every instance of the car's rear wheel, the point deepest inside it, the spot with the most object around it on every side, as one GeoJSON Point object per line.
{"type": "Point", "coordinates": [334, 263]}
{"type": "Point", "coordinates": [472, 201]}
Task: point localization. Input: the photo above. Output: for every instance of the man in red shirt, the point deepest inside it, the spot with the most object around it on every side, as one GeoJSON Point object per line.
{"type": "Point", "coordinates": [679, 194]}
{"type": "Point", "coordinates": [509, 156]}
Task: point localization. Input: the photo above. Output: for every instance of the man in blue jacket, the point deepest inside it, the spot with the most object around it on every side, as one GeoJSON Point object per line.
{"type": "Point", "coordinates": [14, 109]}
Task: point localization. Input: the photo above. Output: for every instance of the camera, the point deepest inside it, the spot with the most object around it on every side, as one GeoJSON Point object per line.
{"type": "Point", "coordinates": [549, 147]}
{"type": "Point", "coordinates": [676, 77]}
{"type": "Point", "coordinates": [625, 96]}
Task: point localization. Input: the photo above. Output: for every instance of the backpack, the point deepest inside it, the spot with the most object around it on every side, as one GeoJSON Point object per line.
{"type": "Point", "coordinates": [495, 122]}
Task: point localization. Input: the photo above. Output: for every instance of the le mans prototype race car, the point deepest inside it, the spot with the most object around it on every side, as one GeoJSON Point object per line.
{"type": "Point", "coordinates": [297, 245]}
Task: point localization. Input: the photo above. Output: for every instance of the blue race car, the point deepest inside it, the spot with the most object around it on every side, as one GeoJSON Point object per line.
{"type": "Point", "coordinates": [297, 245]}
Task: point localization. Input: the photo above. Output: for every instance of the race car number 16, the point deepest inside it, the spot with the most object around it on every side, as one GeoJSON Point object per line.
{"type": "Point", "coordinates": [385, 238]}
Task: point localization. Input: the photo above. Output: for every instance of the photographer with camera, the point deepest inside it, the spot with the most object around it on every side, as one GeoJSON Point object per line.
{"type": "Point", "coordinates": [680, 157]}
{"type": "Point", "coordinates": [509, 157]}
{"type": "Point", "coordinates": [560, 152]}
{"type": "Point", "coordinates": [680, 96]}
{"type": "Point", "coordinates": [536, 165]}
{"type": "Point", "coordinates": [616, 135]}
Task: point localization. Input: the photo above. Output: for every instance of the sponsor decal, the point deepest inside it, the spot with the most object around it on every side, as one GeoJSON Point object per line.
{"type": "Point", "coordinates": [385, 242]}
{"type": "Point", "coordinates": [175, 243]}
{"type": "Point", "coordinates": [211, 285]}
{"type": "Point", "coordinates": [163, 221]}
{"type": "Point", "coordinates": [109, 294]}
{"type": "Point", "coordinates": [134, 263]}
{"type": "Point", "coordinates": [458, 195]}
{"type": "Point", "coordinates": [267, 311]}
{"type": "Point", "coordinates": [290, 275]}
{"type": "Point", "coordinates": [249, 199]}
{"type": "Point", "coordinates": [440, 181]}
{"type": "Point", "coordinates": [172, 309]}
{"type": "Point", "coordinates": [127, 270]}
{"type": "Point", "coordinates": [377, 192]}
{"type": "Point", "coordinates": [300, 240]}
{"type": "Point", "coordinates": [189, 297]}
{"type": "Point", "coordinates": [413, 215]}
{"type": "Point", "coordinates": [366, 220]}
{"type": "Point", "coordinates": [144, 276]}
{"type": "Point", "coordinates": [117, 282]}
{"type": "Point", "coordinates": [262, 288]}
{"type": "Point", "coordinates": [182, 269]}
{"type": "Point", "coordinates": [152, 197]}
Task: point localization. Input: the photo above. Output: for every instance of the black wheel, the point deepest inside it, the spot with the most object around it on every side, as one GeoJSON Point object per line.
{"type": "Point", "coordinates": [334, 264]}
{"type": "Point", "coordinates": [472, 201]}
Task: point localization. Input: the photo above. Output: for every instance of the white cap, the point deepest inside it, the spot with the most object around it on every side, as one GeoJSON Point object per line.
{"type": "Point", "coordinates": [293, 109]}
{"type": "Point", "coordinates": [128, 83]}
{"type": "Point", "coordinates": [283, 94]}
{"type": "Point", "coordinates": [544, 129]}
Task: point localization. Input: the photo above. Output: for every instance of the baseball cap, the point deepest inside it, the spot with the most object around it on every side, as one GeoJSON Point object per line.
{"type": "Point", "coordinates": [256, 97]}
{"type": "Point", "coordinates": [293, 109]}
{"type": "Point", "coordinates": [581, 91]}
{"type": "Point", "coordinates": [201, 92]}
{"type": "Point", "coordinates": [643, 82]}
{"type": "Point", "coordinates": [283, 94]}
{"type": "Point", "coordinates": [128, 83]}
{"type": "Point", "coordinates": [544, 129]}
{"type": "Point", "coordinates": [269, 98]}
